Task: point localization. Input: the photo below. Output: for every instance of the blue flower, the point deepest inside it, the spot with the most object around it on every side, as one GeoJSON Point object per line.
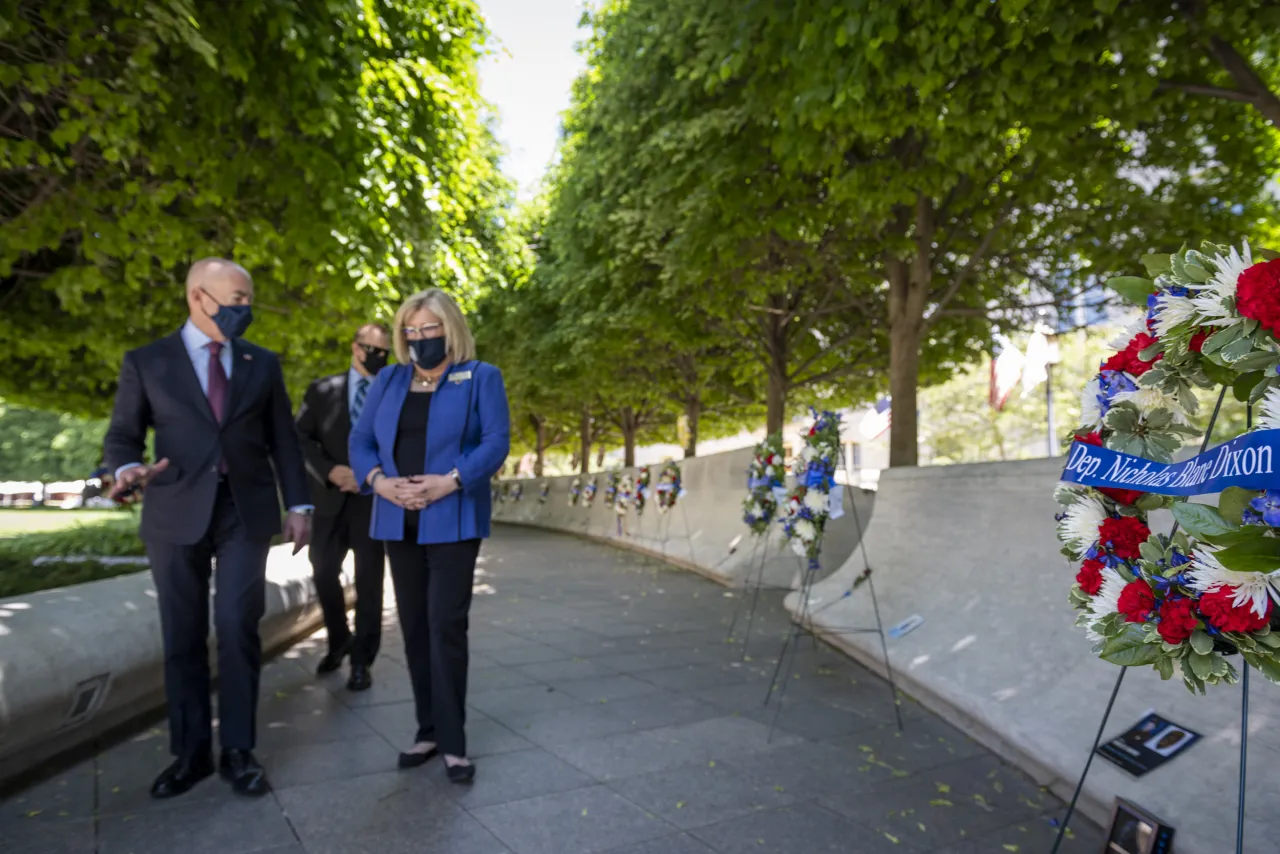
{"type": "Point", "coordinates": [1110, 384]}
{"type": "Point", "coordinates": [1268, 504]}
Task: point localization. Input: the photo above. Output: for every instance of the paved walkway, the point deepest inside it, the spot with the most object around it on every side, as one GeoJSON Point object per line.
{"type": "Point", "coordinates": [608, 715]}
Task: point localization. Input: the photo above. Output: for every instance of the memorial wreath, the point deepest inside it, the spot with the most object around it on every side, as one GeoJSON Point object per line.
{"type": "Point", "coordinates": [813, 500]}
{"type": "Point", "coordinates": [1182, 603]}
{"type": "Point", "coordinates": [765, 485]}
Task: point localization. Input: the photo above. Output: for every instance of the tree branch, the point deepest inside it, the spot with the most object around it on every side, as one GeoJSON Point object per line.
{"type": "Point", "coordinates": [1208, 91]}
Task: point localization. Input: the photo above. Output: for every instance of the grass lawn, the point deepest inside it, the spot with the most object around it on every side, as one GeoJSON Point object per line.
{"type": "Point", "coordinates": [14, 523]}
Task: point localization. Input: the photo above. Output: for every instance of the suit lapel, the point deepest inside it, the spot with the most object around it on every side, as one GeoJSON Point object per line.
{"type": "Point", "coordinates": [188, 381]}
{"type": "Point", "coordinates": [343, 406]}
{"type": "Point", "coordinates": [242, 377]}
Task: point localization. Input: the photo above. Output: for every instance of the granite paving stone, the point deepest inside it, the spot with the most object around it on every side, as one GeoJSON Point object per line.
{"type": "Point", "coordinates": [608, 713]}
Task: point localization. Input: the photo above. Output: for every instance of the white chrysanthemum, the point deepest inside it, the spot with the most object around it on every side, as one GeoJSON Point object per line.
{"type": "Point", "coordinates": [1148, 400]}
{"type": "Point", "coordinates": [1123, 338]}
{"type": "Point", "coordinates": [1207, 574]}
{"type": "Point", "coordinates": [1211, 297]}
{"type": "Point", "coordinates": [1172, 311]}
{"type": "Point", "coordinates": [1079, 525]}
{"type": "Point", "coordinates": [1106, 602]}
{"type": "Point", "coordinates": [816, 501]}
{"type": "Point", "coordinates": [1269, 411]}
{"type": "Point", "coordinates": [768, 471]}
{"type": "Point", "coordinates": [808, 453]}
{"type": "Point", "coordinates": [1090, 410]}
{"type": "Point", "coordinates": [806, 531]}
{"type": "Point", "coordinates": [799, 548]}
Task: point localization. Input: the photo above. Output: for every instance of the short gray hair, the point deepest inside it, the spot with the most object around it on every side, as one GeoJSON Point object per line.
{"type": "Point", "coordinates": [205, 267]}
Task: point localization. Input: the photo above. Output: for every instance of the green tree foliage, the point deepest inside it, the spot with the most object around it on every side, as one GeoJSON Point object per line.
{"type": "Point", "coordinates": [338, 150]}
{"type": "Point", "coordinates": [42, 446]}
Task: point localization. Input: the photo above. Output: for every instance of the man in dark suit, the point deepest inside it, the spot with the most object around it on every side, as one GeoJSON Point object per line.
{"type": "Point", "coordinates": [224, 439]}
{"type": "Point", "coordinates": [330, 407]}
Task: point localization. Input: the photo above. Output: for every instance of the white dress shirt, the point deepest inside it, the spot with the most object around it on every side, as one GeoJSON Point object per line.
{"type": "Point", "coordinates": [197, 344]}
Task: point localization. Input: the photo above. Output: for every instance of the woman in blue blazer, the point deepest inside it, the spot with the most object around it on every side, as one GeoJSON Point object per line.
{"type": "Point", "coordinates": [432, 432]}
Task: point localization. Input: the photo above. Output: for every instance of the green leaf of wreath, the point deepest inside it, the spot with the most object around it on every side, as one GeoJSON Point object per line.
{"type": "Point", "coordinates": [1217, 374]}
{"type": "Point", "coordinates": [1165, 665]}
{"type": "Point", "coordinates": [1130, 649]}
{"type": "Point", "coordinates": [1233, 501]}
{"type": "Point", "coordinates": [1261, 554]}
{"type": "Point", "coordinates": [1156, 263]}
{"type": "Point", "coordinates": [1201, 642]}
{"type": "Point", "coordinates": [1259, 361]}
{"type": "Point", "coordinates": [1201, 520]}
{"type": "Point", "coordinates": [1267, 665]}
{"type": "Point", "coordinates": [1220, 339]}
{"type": "Point", "coordinates": [1262, 388]}
{"type": "Point", "coordinates": [1132, 288]}
{"type": "Point", "coordinates": [1201, 665]}
{"type": "Point", "coordinates": [1268, 254]}
{"type": "Point", "coordinates": [1244, 384]}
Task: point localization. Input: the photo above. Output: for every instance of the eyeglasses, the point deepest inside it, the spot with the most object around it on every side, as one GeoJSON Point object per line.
{"type": "Point", "coordinates": [371, 350]}
{"type": "Point", "coordinates": [423, 331]}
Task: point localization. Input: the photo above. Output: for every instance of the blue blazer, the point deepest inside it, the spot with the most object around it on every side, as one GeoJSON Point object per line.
{"type": "Point", "coordinates": [468, 428]}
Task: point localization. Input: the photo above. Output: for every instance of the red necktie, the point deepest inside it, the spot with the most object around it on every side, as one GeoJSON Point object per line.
{"type": "Point", "coordinates": [217, 392]}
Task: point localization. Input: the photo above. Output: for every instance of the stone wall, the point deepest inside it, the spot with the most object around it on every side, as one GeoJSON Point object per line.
{"type": "Point", "coordinates": [77, 661]}
{"type": "Point", "coordinates": [704, 532]}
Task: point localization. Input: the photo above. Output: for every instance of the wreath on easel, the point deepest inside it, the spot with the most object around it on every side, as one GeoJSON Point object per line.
{"type": "Point", "coordinates": [814, 499]}
{"type": "Point", "coordinates": [766, 485]}
{"type": "Point", "coordinates": [1183, 603]}
{"type": "Point", "coordinates": [643, 480]}
{"type": "Point", "coordinates": [670, 486]}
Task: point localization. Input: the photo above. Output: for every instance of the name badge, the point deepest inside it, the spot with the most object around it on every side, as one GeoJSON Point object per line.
{"type": "Point", "coordinates": [459, 376]}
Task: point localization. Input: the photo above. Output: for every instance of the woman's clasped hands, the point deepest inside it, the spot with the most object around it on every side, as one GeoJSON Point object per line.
{"type": "Point", "coordinates": [417, 491]}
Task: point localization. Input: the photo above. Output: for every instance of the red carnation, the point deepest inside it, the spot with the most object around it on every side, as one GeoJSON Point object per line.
{"type": "Point", "coordinates": [1123, 535]}
{"type": "Point", "coordinates": [1177, 620]}
{"type": "Point", "coordinates": [1090, 439]}
{"type": "Point", "coordinates": [1217, 608]}
{"type": "Point", "coordinates": [1122, 496]}
{"type": "Point", "coordinates": [1196, 344]}
{"type": "Point", "coordinates": [1127, 360]}
{"type": "Point", "coordinates": [1258, 294]}
{"type": "Point", "coordinates": [1136, 602]}
{"type": "Point", "coordinates": [1090, 577]}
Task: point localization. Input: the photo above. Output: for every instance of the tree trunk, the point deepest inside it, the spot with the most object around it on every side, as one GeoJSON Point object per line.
{"type": "Point", "coordinates": [909, 285]}
{"type": "Point", "coordinates": [629, 429]}
{"type": "Point", "coordinates": [692, 411]}
{"type": "Point", "coordinates": [600, 455]}
{"type": "Point", "coordinates": [584, 437]}
{"type": "Point", "coordinates": [539, 443]}
{"type": "Point", "coordinates": [776, 394]}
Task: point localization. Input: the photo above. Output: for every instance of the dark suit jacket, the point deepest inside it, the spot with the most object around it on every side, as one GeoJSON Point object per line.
{"type": "Point", "coordinates": [324, 425]}
{"type": "Point", "coordinates": [159, 390]}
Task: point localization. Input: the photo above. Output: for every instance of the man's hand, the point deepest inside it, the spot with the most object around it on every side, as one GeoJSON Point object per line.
{"type": "Point", "coordinates": [133, 480]}
{"type": "Point", "coordinates": [297, 530]}
{"type": "Point", "coordinates": [344, 478]}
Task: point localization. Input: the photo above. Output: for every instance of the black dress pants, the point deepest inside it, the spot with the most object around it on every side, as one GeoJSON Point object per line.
{"type": "Point", "coordinates": [433, 595]}
{"type": "Point", "coordinates": [332, 537]}
{"type": "Point", "coordinates": [181, 575]}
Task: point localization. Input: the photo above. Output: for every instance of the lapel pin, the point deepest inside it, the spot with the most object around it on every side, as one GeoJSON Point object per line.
{"type": "Point", "coordinates": [247, 357]}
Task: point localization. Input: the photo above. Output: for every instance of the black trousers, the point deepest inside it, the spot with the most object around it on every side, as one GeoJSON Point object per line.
{"type": "Point", "coordinates": [433, 595]}
{"type": "Point", "coordinates": [332, 537]}
{"type": "Point", "coordinates": [181, 575]}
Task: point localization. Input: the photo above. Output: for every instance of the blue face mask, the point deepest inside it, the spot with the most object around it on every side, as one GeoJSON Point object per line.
{"type": "Point", "coordinates": [232, 320]}
{"type": "Point", "coordinates": [427, 353]}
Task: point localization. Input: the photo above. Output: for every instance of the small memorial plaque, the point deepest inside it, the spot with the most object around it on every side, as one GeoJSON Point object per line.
{"type": "Point", "coordinates": [1148, 744]}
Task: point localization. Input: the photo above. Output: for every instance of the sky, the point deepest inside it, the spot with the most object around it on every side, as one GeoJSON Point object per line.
{"type": "Point", "coordinates": [528, 78]}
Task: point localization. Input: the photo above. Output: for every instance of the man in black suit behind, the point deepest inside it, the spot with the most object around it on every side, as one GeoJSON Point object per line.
{"type": "Point", "coordinates": [329, 409]}
{"type": "Point", "coordinates": [223, 424]}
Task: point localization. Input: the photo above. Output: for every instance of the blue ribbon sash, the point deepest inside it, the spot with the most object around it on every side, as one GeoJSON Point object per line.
{"type": "Point", "coordinates": [1246, 461]}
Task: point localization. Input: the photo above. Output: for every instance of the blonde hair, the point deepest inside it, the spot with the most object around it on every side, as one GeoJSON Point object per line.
{"type": "Point", "coordinates": [460, 346]}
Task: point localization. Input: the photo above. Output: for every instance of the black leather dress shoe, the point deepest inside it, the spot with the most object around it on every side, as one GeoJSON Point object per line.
{"type": "Point", "coordinates": [361, 679]}
{"type": "Point", "coordinates": [179, 777]}
{"type": "Point", "coordinates": [461, 773]}
{"type": "Point", "coordinates": [414, 760]}
{"type": "Point", "coordinates": [333, 659]}
{"type": "Point", "coordinates": [243, 772]}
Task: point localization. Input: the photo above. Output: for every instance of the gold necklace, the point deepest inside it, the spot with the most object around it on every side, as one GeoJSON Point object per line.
{"type": "Point", "coordinates": [425, 382]}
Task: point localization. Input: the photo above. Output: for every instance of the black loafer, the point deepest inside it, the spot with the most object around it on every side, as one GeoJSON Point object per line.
{"type": "Point", "coordinates": [182, 775]}
{"type": "Point", "coordinates": [333, 660]}
{"type": "Point", "coordinates": [361, 679]}
{"type": "Point", "coordinates": [243, 772]}
{"type": "Point", "coordinates": [416, 760]}
{"type": "Point", "coordinates": [461, 773]}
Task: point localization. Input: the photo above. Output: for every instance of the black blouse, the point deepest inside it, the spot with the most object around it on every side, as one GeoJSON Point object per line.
{"type": "Point", "coordinates": [411, 445]}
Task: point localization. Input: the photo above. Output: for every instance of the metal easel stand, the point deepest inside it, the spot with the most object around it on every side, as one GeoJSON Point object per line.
{"type": "Point", "coordinates": [804, 623]}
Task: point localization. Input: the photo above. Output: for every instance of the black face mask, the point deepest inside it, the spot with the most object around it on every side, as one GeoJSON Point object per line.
{"type": "Point", "coordinates": [375, 358]}
{"type": "Point", "coordinates": [427, 353]}
{"type": "Point", "coordinates": [232, 320]}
